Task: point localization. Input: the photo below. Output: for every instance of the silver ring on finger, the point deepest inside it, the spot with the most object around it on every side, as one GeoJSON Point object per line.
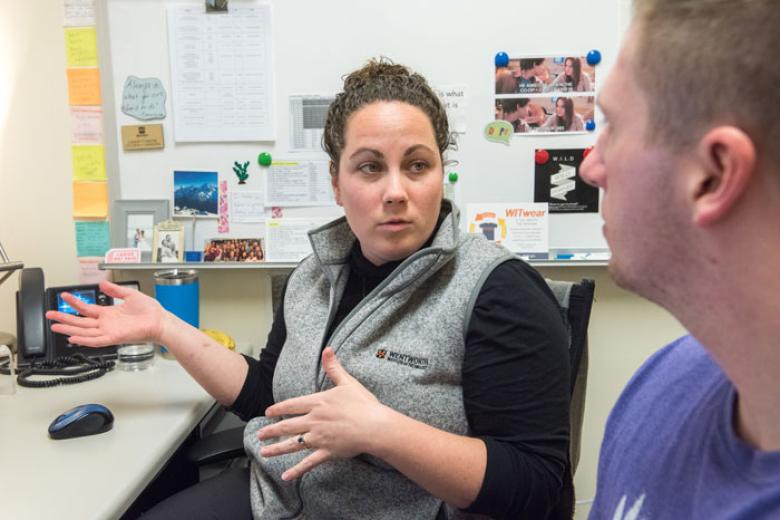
{"type": "Point", "coordinates": [302, 442]}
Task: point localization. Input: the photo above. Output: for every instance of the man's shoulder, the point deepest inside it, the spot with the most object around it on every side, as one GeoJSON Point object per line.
{"type": "Point", "coordinates": [667, 384]}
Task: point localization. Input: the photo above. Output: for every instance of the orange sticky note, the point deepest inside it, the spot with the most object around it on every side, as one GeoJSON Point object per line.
{"type": "Point", "coordinates": [84, 86]}
{"type": "Point", "coordinates": [90, 199]}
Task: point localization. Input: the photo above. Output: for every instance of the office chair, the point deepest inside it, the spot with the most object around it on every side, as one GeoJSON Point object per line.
{"type": "Point", "coordinates": [575, 301]}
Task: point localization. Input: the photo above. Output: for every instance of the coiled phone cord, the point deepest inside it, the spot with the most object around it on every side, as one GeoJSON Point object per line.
{"type": "Point", "coordinates": [75, 369]}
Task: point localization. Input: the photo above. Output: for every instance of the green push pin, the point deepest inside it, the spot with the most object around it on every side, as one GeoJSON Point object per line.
{"type": "Point", "coordinates": [264, 159]}
{"type": "Point", "coordinates": [453, 177]}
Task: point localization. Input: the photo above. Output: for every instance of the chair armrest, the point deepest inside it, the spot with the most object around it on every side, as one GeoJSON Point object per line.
{"type": "Point", "coordinates": [224, 445]}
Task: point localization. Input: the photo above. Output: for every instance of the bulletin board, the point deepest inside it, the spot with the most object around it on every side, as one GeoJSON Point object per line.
{"type": "Point", "coordinates": [314, 43]}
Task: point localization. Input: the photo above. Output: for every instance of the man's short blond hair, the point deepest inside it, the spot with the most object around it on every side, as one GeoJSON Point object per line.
{"type": "Point", "coordinates": [707, 62]}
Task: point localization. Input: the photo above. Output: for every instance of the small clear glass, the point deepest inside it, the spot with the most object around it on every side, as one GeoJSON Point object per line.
{"type": "Point", "coordinates": [134, 358]}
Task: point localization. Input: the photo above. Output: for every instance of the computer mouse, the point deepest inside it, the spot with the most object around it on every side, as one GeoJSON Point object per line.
{"type": "Point", "coordinates": [85, 419]}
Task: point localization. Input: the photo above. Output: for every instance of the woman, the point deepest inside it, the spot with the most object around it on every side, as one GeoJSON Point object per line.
{"type": "Point", "coordinates": [573, 79]}
{"type": "Point", "coordinates": [564, 119]}
{"type": "Point", "coordinates": [410, 371]}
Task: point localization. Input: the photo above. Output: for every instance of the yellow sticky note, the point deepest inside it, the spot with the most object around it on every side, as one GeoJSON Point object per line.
{"type": "Point", "coordinates": [89, 162]}
{"type": "Point", "coordinates": [84, 86]}
{"type": "Point", "coordinates": [81, 47]}
{"type": "Point", "coordinates": [90, 199]}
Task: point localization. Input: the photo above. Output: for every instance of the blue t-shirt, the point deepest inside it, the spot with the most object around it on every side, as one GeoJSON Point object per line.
{"type": "Point", "coordinates": [670, 450]}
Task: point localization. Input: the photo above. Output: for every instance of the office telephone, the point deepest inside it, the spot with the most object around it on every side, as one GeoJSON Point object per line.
{"type": "Point", "coordinates": [36, 342]}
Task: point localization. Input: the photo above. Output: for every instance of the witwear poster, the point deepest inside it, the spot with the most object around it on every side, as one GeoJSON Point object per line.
{"type": "Point", "coordinates": [521, 227]}
{"type": "Point", "coordinates": [557, 182]}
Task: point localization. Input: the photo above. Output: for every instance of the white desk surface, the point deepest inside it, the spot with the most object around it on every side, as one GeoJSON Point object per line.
{"type": "Point", "coordinates": [97, 476]}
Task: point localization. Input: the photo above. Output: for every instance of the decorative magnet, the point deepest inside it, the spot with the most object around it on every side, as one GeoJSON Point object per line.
{"type": "Point", "coordinates": [264, 159]}
{"type": "Point", "coordinates": [590, 125]}
{"type": "Point", "coordinates": [502, 59]}
{"type": "Point", "coordinates": [453, 177]}
{"type": "Point", "coordinates": [593, 57]}
{"type": "Point", "coordinates": [541, 156]}
{"type": "Point", "coordinates": [240, 171]}
{"type": "Point", "coordinates": [499, 132]}
{"type": "Point", "coordinates": [586, 151]}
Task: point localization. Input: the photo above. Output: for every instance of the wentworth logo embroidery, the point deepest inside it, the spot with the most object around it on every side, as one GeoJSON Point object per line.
{"type": "Point", "coordinates": [403, 359]}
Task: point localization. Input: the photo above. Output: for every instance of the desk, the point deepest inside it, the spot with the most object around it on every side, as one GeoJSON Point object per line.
{"type": "Point", "coordinates": [97, 476]}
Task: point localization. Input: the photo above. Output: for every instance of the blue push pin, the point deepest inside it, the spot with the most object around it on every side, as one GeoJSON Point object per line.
{"type": "Point", "coordinates": [590, 125]}
{"type": "Point", "coordinates": [502, 59]}
{"type": "Point", "coordinates": [593, 57]}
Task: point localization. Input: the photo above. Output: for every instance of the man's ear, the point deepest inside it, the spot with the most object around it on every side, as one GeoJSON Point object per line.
{"type": "Point", "coordinates": [334, 181]}
{"type": "Point", "coordinates": [727, 157]}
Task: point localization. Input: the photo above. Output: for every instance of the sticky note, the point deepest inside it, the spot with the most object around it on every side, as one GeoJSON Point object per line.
{"type": "Point", "coordinates": [84, 86]}
{"type": "Point", "coordinates": [89, 272]}
{"type": "Point", "coordinates": [90, 199]}
{"type": "Point", "coordinates": [89, 162]}
{"type": "Point", "coordinates": [81, 47]}
{"type": "Point", "coordinates": [92, 238]}
{"type": "Point", "coordinates": [86, 125]}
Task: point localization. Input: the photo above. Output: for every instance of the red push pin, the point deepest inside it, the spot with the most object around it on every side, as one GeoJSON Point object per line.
{"type": "Point", "coordinates": [586, 151]}
{"type": "Point", "coordinates": [541, 156]}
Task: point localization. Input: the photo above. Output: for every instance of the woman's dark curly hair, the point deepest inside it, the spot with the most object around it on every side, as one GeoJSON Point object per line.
{"type": "Point", "coordinates": [382, 80]}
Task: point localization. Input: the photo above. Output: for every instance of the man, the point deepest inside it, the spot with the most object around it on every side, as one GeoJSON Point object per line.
{"type": "Point", "coordinates": [531, 75]}
{"type": "Point", "coordinates": [515, 111]}
{"type": "Point", "coordinates": [689, 162]}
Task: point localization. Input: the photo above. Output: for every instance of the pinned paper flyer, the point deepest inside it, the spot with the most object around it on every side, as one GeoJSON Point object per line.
{"type": "Point", "coordinates": [521, 227]}
{"type": "Point", "coordinates": [557, 182]}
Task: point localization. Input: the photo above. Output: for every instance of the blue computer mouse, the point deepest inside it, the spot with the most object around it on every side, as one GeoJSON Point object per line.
{"type": "Point", "coordinates": [85, 419]}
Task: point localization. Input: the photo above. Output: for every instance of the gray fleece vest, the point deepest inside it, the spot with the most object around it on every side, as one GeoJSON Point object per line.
{"type": "Point", "coordinates": [404, 342]}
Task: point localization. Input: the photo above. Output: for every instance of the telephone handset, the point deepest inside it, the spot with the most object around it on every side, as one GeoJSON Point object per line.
{"type": "Point", "coordinates": [37, 342]}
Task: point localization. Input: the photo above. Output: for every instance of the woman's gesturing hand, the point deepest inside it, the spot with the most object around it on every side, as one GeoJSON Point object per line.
{"type": "Point", "coordinates": [337, 423]}
{"type": "Point", "coordinates": [138, 319]}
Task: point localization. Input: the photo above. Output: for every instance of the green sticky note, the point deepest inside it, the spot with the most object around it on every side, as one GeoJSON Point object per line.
{"type": "Point", "coordinates": [499, 132]}
{"type": "Point", "coordinates": [92, 238]}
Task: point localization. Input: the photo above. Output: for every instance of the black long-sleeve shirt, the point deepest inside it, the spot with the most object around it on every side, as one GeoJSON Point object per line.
{"type": "Point", "coordinates": [515, 383]}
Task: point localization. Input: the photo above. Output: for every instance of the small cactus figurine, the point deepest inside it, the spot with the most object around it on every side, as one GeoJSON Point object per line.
{"type": "Point", "coordinates": [240, 170]}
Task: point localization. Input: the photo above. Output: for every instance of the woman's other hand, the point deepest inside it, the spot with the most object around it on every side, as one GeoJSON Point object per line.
{"type": "Point", "coordinates": [337, 423]}
{"type": "Point", "coordinates": [138, 319]}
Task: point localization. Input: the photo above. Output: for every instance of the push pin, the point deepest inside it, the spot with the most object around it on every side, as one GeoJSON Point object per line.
{"type": "Point", "coordinates": [541, 156]}
{"type": "Point", "coordinates": [264, 159]}
{"type": "Point", "coordinates": [593, 57]}
{"type": "Point", "coordinates": [502, 59]}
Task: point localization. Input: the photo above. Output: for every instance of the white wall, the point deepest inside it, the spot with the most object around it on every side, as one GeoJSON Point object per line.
{"type": "Point", "coordinates": [36, 226]}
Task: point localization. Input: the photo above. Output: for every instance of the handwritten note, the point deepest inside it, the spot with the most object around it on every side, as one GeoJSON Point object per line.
{"type": "Point", "coordinates": [247, 206]}
{"type": "Point", "coordinates": [143, 98]}
{"type": "Point", "coordinates": [89, 272]}
{"type": "Point", "coordinates": [86, 125]}
{"type": "Point", "coordinates": [81, 47]}
{"type": "Point", "coordinates": [84, 86]}
{"type": "Point", "coordinates": [92, 238]}
{"type": "Point", "coordinates": [90, 199]}
{"type": "Point", "coordinates": [89, 162]}
{"type": "Point", "coordinates": [79, 13]}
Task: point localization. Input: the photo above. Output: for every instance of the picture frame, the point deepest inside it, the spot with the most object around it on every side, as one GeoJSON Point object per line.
{"type": "Point", "coordinates": [168, 242]}
{"type": "Point", "coordinates": [195, 194]}
{"type": "Point", "coordinates": [133, 221]}
{"type": "Point", "coordinates": [234, 250]}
